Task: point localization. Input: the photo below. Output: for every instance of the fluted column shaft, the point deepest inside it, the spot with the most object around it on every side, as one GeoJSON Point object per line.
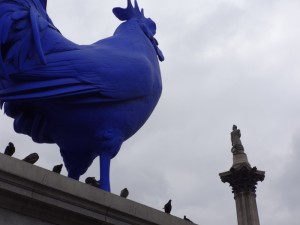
{"type": "Point", "coordinates": [246, 208]}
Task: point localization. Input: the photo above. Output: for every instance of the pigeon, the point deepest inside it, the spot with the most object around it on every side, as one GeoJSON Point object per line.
{"type": "Point", "coordinates": [57, 168]}
{"type": "Point", "coordinates": [10, 149]}
{"type": "Point", "coordinates": [187, 219]}
{"type": "Point", "coordinates": [124, 193]}
{"type": "Point", "coordinates": [32, 158]}
{"type": "Point", "coordinates": [92, 181]}
{"type": "Point", "coordinates": [168, 207]}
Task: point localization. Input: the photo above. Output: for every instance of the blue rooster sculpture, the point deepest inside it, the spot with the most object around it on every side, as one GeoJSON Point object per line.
{"type": "Point", "coordinates": [88, 99]}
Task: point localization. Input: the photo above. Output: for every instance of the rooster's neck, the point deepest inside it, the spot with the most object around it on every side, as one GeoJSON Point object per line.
{"type": "Point", "coordinates": [130, 27]}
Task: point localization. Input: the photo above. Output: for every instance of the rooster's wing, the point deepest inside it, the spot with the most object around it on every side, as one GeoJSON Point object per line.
{"type": "Point", "coordinates": [37, 62]}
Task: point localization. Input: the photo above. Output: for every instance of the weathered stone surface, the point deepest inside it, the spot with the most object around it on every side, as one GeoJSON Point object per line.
{"type": "Point", "coordinates": [240, 159]}
{"type": "Point", "coordinates": [246, 208]}
{"type": "Point", "coordinates": [237, 145]}
{"type": "Point", "coordinates": [243, 179]}
{"type": "Point", "coordinates": [41, 195]}
{"type": "Point", "coordinates": [9, 217]}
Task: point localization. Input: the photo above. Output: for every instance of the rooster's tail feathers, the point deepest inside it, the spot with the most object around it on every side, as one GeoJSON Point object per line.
{"type": "Point", "coordinates": [21, 26]}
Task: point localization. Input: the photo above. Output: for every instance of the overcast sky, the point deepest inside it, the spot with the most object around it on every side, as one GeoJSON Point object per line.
{"type": "Point", "coordinates": [227, 62]}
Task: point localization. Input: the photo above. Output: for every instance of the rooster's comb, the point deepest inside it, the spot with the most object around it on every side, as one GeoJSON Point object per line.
{"type": "Point", "coordinates": [129, 12]}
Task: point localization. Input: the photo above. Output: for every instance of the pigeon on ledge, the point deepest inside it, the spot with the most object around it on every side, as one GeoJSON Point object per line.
{"type": "Point", "coordinates": [57, 168]}
{"type": "Point", "coordinates": [168, 207]}
{"type": "Point", "coordinates": [10, 149]}
{"type": "Point", "coordinates": [92, 181]}
{"type": "Point", "coordinates": [32, 158]}
{"type": "Point", "coordinates": [124, 193]}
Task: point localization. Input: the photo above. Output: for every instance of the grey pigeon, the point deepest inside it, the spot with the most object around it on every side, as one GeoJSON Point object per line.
{"type": "Point", "coordinates": [92, 181]}
{"type": "Point", "coordinates": [57, 168]}
{"type": "Point", "coordinates": [124, 193]}
{"type": "Point", "coordinates": [168, 207]}
{"type": "Point", "coordinates": [32, 158]}
{"type": "Point", "coordinates": [10, 149]}
{"type": "Point", "coordinates": [185, 218]}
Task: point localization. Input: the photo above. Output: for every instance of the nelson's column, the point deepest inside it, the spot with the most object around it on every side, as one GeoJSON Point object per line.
{"type": "Point", "coordinates": [243, 179]}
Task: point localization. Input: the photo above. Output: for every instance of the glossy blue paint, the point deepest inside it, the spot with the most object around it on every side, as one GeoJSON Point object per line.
{"type": "Point", "coordinates": [88, 99]}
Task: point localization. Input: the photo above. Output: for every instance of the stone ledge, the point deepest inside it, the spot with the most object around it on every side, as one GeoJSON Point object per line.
{"type": "Point", "coordinates": [38, 193]}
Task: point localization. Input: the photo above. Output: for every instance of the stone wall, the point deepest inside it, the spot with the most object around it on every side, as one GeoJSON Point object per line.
{"type": "Point", "coordinates": [35, 196]}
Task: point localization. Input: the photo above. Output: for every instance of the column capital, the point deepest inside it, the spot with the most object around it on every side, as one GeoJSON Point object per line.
{"type": "Point", "coordinates": [242, 179]}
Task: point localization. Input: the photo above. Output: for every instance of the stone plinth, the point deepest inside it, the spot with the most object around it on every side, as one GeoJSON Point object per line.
{"type": "Point", "coordinates": [240, 159]}
{"type": "Point", "coordinates": [32, 195]}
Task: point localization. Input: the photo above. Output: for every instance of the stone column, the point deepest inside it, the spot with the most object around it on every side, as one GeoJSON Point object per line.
{"type": "Point", "coordinates": [243, 179]}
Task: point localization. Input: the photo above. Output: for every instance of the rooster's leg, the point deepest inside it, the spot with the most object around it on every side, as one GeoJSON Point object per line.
{"type": "Point", "coordinates": [104, 172]}
{"type": "Point", "coordinates": [112, 140]}
{"type": "Point", "coordinates": [73, 175]}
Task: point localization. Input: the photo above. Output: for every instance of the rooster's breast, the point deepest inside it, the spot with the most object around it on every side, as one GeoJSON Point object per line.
{"type": "Point", "coordinates": [69, 123]}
